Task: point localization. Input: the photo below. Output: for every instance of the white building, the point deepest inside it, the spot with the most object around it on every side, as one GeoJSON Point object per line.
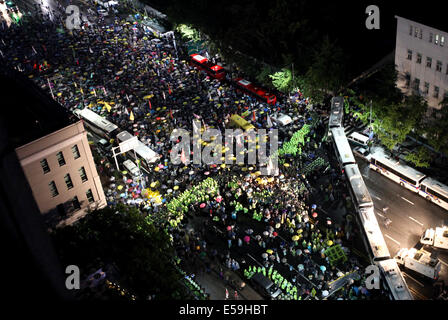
{"type": "Point", "coordinates": [421, 59]}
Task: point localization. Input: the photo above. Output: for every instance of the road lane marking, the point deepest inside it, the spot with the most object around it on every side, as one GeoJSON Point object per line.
{"type": "Point", "coordinates": [407, 200]}
{"type": "Point", "coordinates": [443, 262]}
{"type": "Point", "coordinates": [380, 215]}
{"type": "Point", "coordinates": [392, 239]}
{"type": "Point", "coordinates": [416, 281]}
{"type": "Point", "coordinates": [416, 221]}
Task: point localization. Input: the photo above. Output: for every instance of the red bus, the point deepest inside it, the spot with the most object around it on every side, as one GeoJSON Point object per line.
{"type": "Point", "coordinates": [249, 88]}
{"type": "Point", "coordinates": [215, 71]}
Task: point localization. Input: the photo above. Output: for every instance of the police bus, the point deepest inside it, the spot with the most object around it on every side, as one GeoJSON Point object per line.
{"type": "Point", "coordinates": [342, 147]}
{"type": "Point", "coordinates": [396, 171]}
{"type": "Point", "coordinates": [434, 191]}
{"type": "Point", "coordinates": [142, 154]}
{"type": "Point", "coordinates": [96, 123]}
{"type": "Point", "coordinates": [336, 113]}
{"type": "Point", "coordinates": [393, 279]}
{"type": "Point", "coordinates": [214, 70]}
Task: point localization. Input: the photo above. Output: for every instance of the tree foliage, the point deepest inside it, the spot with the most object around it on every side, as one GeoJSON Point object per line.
{"type": "Point", "coordinates": [419, 158]}
{"type": "Point", "coordinates": [282, 80]}
{"type": "Point", "coordinates": [142, 253]}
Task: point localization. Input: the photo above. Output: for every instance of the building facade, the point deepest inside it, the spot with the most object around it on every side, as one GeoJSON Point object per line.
{"type": "Point", "coordinates": [62, 174]}
{"type": "Point", "coordinates": [421, 59]}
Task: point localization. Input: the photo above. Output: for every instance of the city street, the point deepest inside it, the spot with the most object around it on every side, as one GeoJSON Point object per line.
{"type": "Point", "coordinates": [411, 215]}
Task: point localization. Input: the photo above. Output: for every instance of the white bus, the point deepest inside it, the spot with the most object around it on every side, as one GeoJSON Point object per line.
{"type": "Point", "coordinates": [394, 280]}
{"type": "Point", "coordinates": [396, 171]}
{"type": "Point", "coordinates": [336, 113]}
{"type": "Point", "coordinates": [434, 191]}
{"type": "Point", "coordinates": [342, 147]}
{"type": "Point", "coordinates": [145, 155]}
{"type": "Point", "coordinates": [96, 123]}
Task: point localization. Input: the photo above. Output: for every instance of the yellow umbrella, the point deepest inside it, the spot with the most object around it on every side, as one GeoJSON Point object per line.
{"type": "Point", "coordinates": [270, 251]}
{"type": "Point", "coordinates": [120, 187]}
{"type": "Point", "coordinates": [286, 164]}
{"type": "Point", "coordinates": [175, 187]}
{"type": "Point", "coordinates": [295, 238]}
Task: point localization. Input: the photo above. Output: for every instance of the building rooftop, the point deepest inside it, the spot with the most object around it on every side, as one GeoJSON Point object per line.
{"type": "Point", "coordinates": [28, 111]}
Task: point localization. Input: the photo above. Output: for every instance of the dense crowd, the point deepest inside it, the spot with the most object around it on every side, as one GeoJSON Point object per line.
{"type": "Point", "coordinates": [145, 85]}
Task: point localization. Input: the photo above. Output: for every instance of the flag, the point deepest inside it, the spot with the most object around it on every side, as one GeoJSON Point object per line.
{"type": "Point", "coordinates": [105, 92]}
{"type": "Point", "coordinates": [131, 117]}
{"type": "Point", "coordinates": [34, 49]}
{"type": "Point", "coordinates": [196, 116]}
{"type": "Point", "coordinates": [149, 102]}
{"type": "Point", "coordinates": [171, 114]}
{"type": "Point", "coordinates": [90, 49]}
{"type": "Point", "coordinates": [163, 94]}
{"type": "Point", "coordinates": [108, 107]}
{"type": "Point", "coordinates": [126, 110]}
{"type": "Point", "coordinates": [169, 89]}
{"type": "Point", "coordinates": [253, 114]}
{"type": "Point", "coordinates": [227, 294]}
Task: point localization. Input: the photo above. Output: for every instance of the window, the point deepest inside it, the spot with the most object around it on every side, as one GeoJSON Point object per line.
{"type": "Point", "coordinates": [439, 66]}
{"type": "Point", "coordinates": [53, 189]}
{"type": "Point", "coordinates": [68, 181]}
{"type": "Point", "coordinates": [409, 54]}
{"type": "Point", "coordinates": [436, 40]}
{"type": "Point", "coordinates": [436, 92]}
{"type": "Point", "coordinates": [419, 58]}
{"type": "Point", "coordinates": [82, 173]}
{"type": "Point", "coordinates": [428, 62]}
{"type": "Point", "coordinates": [45, 167]}
{"type": "Point", "coordinates": [416, 84]}
{"type": "Point", "coordinates": [447, 68]}
{"type": "Point", "coordinates": [76, 204]}
{"type": "Point", "coordinates": [398, 174]}
{"type": "Point", "coordinates": [410, 30]}
{"type": "Point", "coordinates": [61, 209]}
{"type": "Point", "coordinates": [426, 88]}
{"type": "Point", "coordinates": [442, 41]}
{"type": "Point", "coordinates": [408, 80]}
{"type": "Point", "coordinates": [430, 37]}
{"type": "Point", "coordinates": [420, 35]}
{"type": "Point", "coordinates": [446, 94]}
{"type": "Point", "coordinates": [415, 32]}
{"type": "Point", "coordinates": [436, 194]}
{"type": "Point", "coordinates": [75, 152]}
{"type": "Point", "coordinates": [89, 195]}
{"type": "Point", "coordinates": [60, 158]}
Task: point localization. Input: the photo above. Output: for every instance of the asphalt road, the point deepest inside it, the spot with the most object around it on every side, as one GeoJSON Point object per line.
{"type": "Point", "coordinates": [411, 214]}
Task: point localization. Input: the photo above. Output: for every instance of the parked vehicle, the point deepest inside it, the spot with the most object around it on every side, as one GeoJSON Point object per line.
{"type": "Point", "coordinates": [436, 237]}
{"type": "Point", "coordinates": [358, 139]}
{"type": "Point", "coordinates": [132, 168]}
{"type": "Point", "coordinates": [420, 261]}
{"type": "Point", "coordinates": [361, 152]}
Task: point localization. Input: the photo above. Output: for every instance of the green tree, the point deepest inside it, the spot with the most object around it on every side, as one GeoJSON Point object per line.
{"type": "Point", "coordinates": [437, 128]}
{"type": "Point", "coordinates": [325, 74]}
{"type": "Point", "coordinates": [121, 235]}
{"type": "Point", "coordinates": [398, 120]}
{"type": "Point", "coordinates": [420, 158]}
{"type": "Point", "coordinates": [282, 80]}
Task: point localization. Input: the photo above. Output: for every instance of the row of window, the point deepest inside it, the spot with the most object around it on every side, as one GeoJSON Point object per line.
{"type": "Point", "coordinates": [437, 39]}
{"type": "Point", "coordinates": [75, 205]}
{"type": "Point", "coordinates": [439, 63]}
{"type": "Point", "coordinates": [416, 87]}
{"type": "Point", "coordinates": [61, 159]}
{"type": "Point", "coordinates": [68, 182]}
{"type": "Point", "coordinates": [389, 169]}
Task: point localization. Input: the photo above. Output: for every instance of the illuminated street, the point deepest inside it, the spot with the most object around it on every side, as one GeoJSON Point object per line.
{"type": "Point", "coordinates": [164, 159]}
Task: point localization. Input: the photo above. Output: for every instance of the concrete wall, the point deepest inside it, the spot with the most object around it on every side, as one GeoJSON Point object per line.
{"type": "Point", "coordinates": [405, 41]}
{"type": "Point", "coordinates": [47, 147]}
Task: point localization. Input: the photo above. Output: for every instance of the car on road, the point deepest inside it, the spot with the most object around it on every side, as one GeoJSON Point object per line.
{"type": "Point", "coordinates": [362, 152]}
